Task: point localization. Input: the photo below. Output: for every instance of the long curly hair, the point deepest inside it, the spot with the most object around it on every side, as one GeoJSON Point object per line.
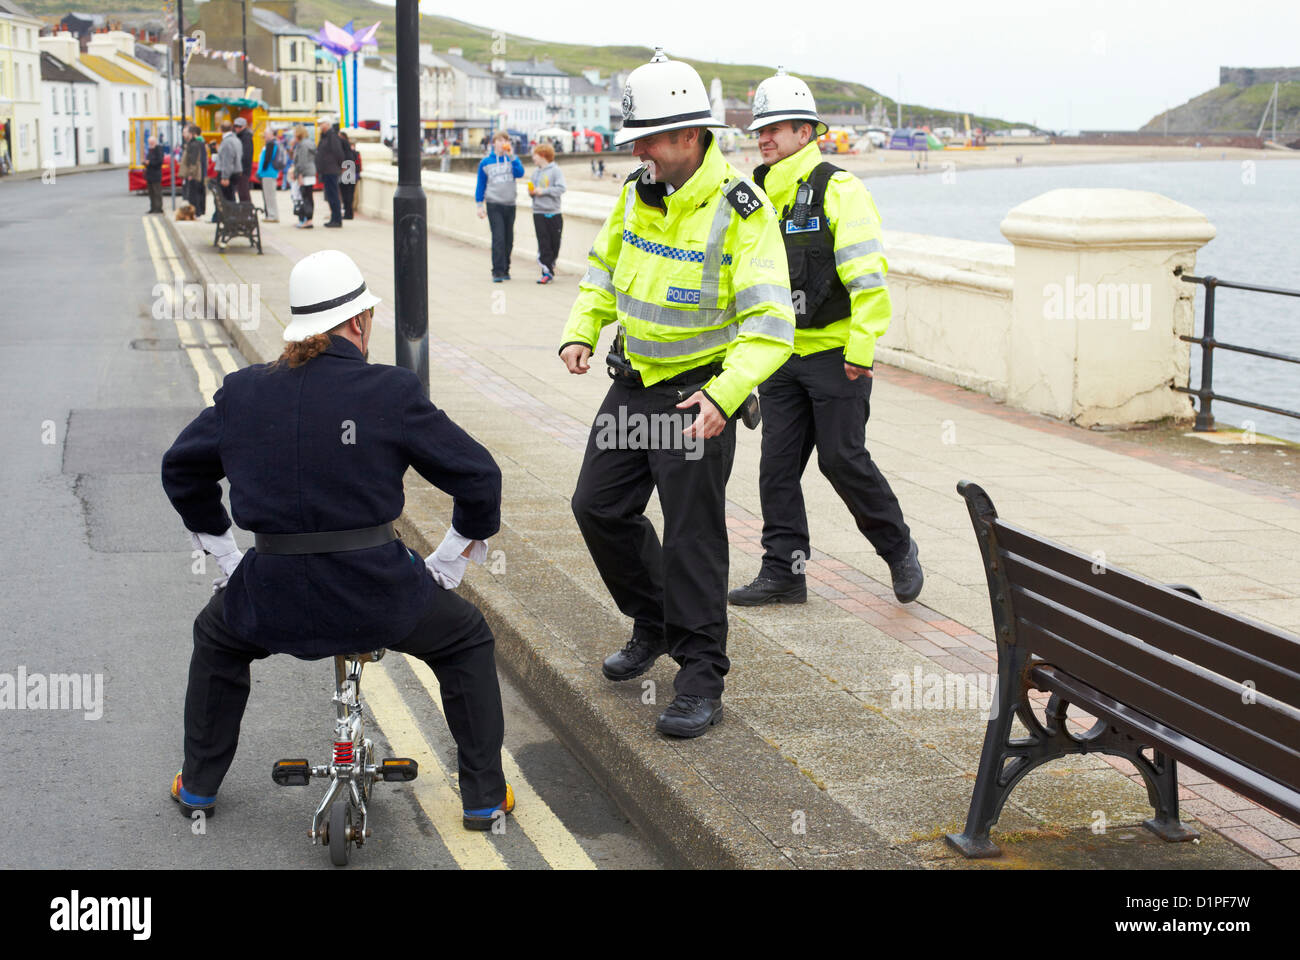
{"type": "Point", "coordinates": [297, 353]}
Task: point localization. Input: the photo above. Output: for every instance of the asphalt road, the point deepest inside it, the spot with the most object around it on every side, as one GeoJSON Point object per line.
{"type": "Point", "coordinates": [97, 580]}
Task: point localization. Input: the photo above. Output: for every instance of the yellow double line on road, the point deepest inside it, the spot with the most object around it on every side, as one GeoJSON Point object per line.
{"type": "Point", "coordinates": [472, 850]}
{"type": "Point", "coordinates": [198, 343]}
{"type": "Point", "coordinates": [434, 787]}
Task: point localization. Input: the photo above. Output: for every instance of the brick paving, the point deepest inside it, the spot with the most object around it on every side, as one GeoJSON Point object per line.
{"type": "Point", "coordinates": [1145, 510]}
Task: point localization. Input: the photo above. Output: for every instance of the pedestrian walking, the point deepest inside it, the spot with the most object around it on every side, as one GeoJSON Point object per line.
{"type": "Point", "coordinates": [268, 171]}
{"type": "Point", "coordinates": [243, 186]}
{"type": "Point", "coordinates": [194, 168]}
{"type": "Point", "coordinates": [546, 187]}
{"type": "Point", "coordinates": [329, 167]}
{"type": "Point", "coordinates": [690, 264]}
{"type": "Point", "coordinates": [230, 160]}
{"type": "Point", "coordinates": [494, 195]}
{"type": "Point", "coordinates": [821, 396]}
{"type": "Point", "coordinates": [328, 574]}
{"type": "Point", "coordinates": [153, 164]}
{"type": "Point", "coordinates": [351, 177]}
{"type": "Point", "coordinates": [304, 167]}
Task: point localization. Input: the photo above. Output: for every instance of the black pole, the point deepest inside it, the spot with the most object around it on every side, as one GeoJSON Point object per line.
{"type": "Point", "coordinates": [410, 237]}
{"type": "Point", "coordinates": [180, 52]}
{"type": "Point", "coordinates": [243, 30]}
{"type": "Point", "coordinates": [1204, 415]}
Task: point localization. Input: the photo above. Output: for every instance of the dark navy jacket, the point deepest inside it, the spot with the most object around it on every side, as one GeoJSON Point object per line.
{"type": "Point", "coordinates": [281, 435]}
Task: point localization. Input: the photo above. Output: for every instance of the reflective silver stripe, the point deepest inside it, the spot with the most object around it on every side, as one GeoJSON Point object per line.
{"type": "Point", "coordinates": [601, 260]}
{"type": "Point", "coordinates": [868, 281]}
{"type": "Point", "coordinates": [670, 317]}
{"type": "Point", "coordinates": [713, 252]}
{"type": "Point", "coordinates": [627, 204]}
{"type": "Point", "coordinates": [760, 293]}
{"type": "Point", "coordinates": [776, 327]}
{"type": "Point", "coordinates": [657, 350]}
{"type": "Point", "coordinates": [598, 277]}
{"type": "Point", "coordinates": [854, 250]}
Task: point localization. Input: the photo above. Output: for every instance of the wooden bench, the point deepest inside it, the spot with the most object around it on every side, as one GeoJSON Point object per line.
{"type": "Point", "coordinates": [234, 219]}
{"type": "Point", "coordinates": [1171, 679]}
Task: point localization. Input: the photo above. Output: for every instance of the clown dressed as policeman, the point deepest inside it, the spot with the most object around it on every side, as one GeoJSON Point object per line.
{"type": "Point", "coordinates": [690, 266]}
{"type": "Point", "coordinates": [820, 397]}
{"type": "Point", "coordinates": [315, 447]}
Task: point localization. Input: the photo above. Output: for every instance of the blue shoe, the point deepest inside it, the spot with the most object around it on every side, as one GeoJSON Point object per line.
{"type": "Point", "coordinates": [189, 802]}
{"type": "Point", "coordinates": [484, 817]}
{"type": "Point", "coordinates": [498, 279]}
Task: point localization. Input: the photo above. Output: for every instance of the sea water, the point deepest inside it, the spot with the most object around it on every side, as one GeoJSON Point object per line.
{"type": "Point", "coordinates": [1254, 205]}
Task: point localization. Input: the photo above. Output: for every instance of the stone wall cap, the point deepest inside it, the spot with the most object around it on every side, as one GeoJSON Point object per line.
{"type": "Point", "coordinates": [1106, 218]}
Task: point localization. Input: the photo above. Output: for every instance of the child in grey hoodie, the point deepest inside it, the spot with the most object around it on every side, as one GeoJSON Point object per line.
{"type": "Point", "coordinates": [545, 187]}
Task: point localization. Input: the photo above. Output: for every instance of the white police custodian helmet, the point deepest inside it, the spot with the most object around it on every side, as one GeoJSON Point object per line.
{"type": "Point", "coordinates": [784, 97]}
{"type": "Point", "coordinates": [663, 95]}
{"type": "Point", "coordinates": [325, 288]}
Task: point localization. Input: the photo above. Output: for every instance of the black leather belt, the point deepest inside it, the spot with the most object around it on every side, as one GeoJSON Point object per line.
{"type": "Point", "coordinates": [328, 541]}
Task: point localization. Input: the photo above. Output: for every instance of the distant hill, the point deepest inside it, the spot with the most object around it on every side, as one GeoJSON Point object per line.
{"type": "Point", "coordinates": [833, 96]}
{"type": "Point", "coordinates": [1235, 108]}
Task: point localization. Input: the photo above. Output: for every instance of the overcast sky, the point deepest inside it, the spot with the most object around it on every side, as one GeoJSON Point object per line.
{"type": "Point", "coordinates": [1104, 64]}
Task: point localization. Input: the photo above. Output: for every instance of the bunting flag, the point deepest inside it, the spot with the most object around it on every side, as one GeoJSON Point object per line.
{"type": "Point", "coordinates": [234, 55]}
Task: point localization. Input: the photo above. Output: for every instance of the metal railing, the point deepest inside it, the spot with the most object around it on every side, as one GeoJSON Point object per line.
{"type": "Point", "coordinates": [1206, 394]}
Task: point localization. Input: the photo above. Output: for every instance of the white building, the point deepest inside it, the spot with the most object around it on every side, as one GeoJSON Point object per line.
{"type": "Point", "coordinates": [20, 91]}
{"type": "Point", "coordinates": [457, 98]}
{"type": "Point", "coordinates": [521, 108]}
{"type": "Point", "coordinates": [68, 111]}
{"type": "Point", "coordinates": [120, 95]}
{"type": "Point", "coordinates": [118, 48]}
{"type": "Point", "coordinates": [377, 93]}
{"type": "Point", "coordinates": [548, 80]}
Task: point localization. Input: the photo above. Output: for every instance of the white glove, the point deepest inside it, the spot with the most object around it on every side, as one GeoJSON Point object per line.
{"type": "Point", "coordinates": [446, 563]}
{"type": "Point", "coordinates": [224, 549]}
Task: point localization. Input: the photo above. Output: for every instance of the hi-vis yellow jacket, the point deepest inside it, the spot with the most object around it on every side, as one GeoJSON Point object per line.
{"type": "Point", "coordinates": [859, 257]}
{"type": "Point", "coordinates": [702, 279]}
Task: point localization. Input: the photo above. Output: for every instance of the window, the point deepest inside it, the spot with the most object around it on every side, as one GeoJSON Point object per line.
{"type": "Point", "coordinates": [54, 100]}
{"type": "Point", "coordinates": [85, 100]}
{"type": "Point", "coordinates": [124, 141]}
{"type": "Point", "coordinates": [90, 139]}
{"type": "Point", "coordinates": [293, 90]}
{"type": "Point", "coordinates": [31, 84]}
{"type": "Point", "coordinates": [57, 148]}
{"type": "Point", "coordinates": [22, 138]}
{"type": "Point", "coordinates": [293, 52]}
{"type": "Point", "coordinates": [121, 101]}
{"type": "Point", "coordinates": [320, 90]}
{"type": "Point", "coordinates": [69, 103]}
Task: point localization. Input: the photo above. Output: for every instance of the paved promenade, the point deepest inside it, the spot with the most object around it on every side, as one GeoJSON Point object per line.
{"type": "Point", "coordinates": [813, 698]}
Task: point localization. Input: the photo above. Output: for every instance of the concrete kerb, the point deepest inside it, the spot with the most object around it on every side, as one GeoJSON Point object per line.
{"type": "Point", "coordinates": [692, 821]}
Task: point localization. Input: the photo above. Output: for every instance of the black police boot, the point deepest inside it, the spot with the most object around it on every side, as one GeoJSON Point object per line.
{"type": "Point", "coordinates": [767, 590]}
{"type": "Point", "coordinates": [689, 716]}
{"type": "Point", "coordinates": [637, 656]}
{"type": "Point", "coordinates": [907, 575]}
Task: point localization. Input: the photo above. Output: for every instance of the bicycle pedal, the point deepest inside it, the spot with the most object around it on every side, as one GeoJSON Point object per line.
{"type": "Point", "coordinates": [398, 769]}
{"type": "Point", "coordinates": [291, 773]}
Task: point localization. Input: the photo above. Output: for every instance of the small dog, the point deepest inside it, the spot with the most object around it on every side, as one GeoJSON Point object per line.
{"type": "Point", "coordinates": [185, 211]}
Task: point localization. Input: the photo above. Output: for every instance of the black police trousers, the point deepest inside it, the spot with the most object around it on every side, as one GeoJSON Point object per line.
{"type": "Point", "coordinates": [453, 639]}
{"type": "Point", "coordinates": [807, 403]}
{"type": "Point", "coordinates": [675, 590]}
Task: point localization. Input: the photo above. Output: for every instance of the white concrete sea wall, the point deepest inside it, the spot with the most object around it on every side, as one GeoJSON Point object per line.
{"type": "Point", "coordinates": [1077, 318]}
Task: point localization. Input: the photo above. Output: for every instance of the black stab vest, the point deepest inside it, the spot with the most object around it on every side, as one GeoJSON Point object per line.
{"type": "Point", "coordinates": [811, 253]}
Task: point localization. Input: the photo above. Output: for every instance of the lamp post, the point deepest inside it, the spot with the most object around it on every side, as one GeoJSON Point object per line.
{"type": "Point", "coordinates": [410, 233]}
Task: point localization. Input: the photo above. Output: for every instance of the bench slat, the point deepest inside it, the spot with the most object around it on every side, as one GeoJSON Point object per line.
{"type": "Point", "coordinates": [1222, 769]}
{"type": "Point", "coordinates": [1093, 599]}
{"type": "Point", "coordinates": [1267, 643]}
{"type": "Point", "coordinates": [1202, 705]}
